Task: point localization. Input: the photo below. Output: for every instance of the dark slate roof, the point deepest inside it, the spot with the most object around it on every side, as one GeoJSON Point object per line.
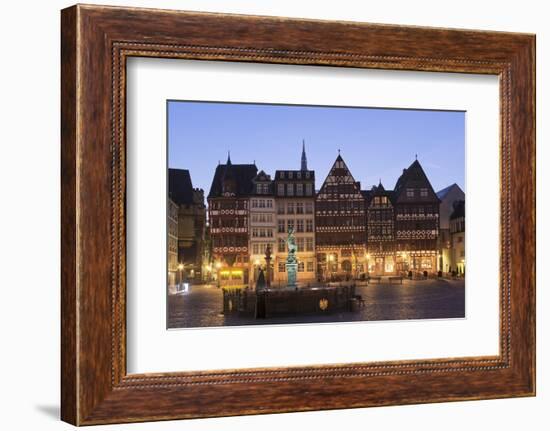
{"type": "Point", "coordinates": [413, 176]}
{"type": "Point", "coordinates": [262, 176]}
{"type": "Point", "coordinates": [242, 174]}
{"type": "Point", "coordinates": [378, 190]}
{"type": "Point", "coordinates": [459, 210]}
{"type": "Point", "coordinates": [443, 192]}
{"type": "Point", "coordinates": [282, 175]}
{"type": "Point", "coordinates": [180, 187]}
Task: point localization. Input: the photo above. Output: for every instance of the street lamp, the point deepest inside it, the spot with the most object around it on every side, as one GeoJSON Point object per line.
{"type": "Point", "coordinates": [180, 269]}
{"type": "Point", "coordinates": [256, 269]}
{"type": "Point", "coordinates": [405, 263]}
{"type": "Point", "coordinates": [218, 265]}
{"type": "Point", "coordinates": [368, 262]}
{"type": "Point", "coordinates": [330, 260]}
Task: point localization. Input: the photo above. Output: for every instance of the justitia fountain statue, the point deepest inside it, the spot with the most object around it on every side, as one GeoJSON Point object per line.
{"type": "Point", "coordinates": [291, 260]}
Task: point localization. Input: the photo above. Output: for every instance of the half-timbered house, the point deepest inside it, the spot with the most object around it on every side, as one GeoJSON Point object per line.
{"type": "Point", "coordinates": [340, 224]}
{"type": "Point", "coordinates": [228, 210]}
{"type": "Point", "coordinates": [380, 231]}
{"type": "Point", "coordinates": [416, 208]}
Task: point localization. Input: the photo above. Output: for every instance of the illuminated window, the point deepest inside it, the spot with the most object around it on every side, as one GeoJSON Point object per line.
{"type": "Point", "coordinates": [281, 245]}
{"type": "Point", "coordinates": [282, 267]}
{"type": "Point", "coordinates": [300, 266]}
{"type": "Point", "coordinates": [310, 266]}
{"type": "Point", "coordinates": [309, 244]}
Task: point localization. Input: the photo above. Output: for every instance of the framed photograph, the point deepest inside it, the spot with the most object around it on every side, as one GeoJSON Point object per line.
{"type": "Point", "coordinates": [265, 215]}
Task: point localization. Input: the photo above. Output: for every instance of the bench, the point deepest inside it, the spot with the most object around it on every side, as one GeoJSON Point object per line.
{"type": "Point", "coordinates": [377, 279]}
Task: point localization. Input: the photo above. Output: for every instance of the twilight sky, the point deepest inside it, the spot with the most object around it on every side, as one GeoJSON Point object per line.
{"type": "Point", "coordinates": [375, 143]}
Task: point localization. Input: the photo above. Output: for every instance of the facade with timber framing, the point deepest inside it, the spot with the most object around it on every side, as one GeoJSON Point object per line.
{"type": "Point", "coordinates": [340, 225]}
{"type": "Point", "coordinates": [381, 258]}
{"type": "Point", "coordinates": [228, 214]}
{"type": "Point", "coordinates": [341, 231]}
{"type": "Point", "coordinates": [416, 208]}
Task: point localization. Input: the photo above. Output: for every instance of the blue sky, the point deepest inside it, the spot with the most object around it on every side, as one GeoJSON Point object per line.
{"type": "Point", "coordinates": [375, 143]}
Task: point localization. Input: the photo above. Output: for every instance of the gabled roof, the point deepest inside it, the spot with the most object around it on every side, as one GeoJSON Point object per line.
{"type": "Point", "coordinates": [414, 177]}
{"type": "Point", "coordinates": [180, 187]}
{"type": "Point", "coordinates": [444, 192]}
{"type": "Point", "coordinates": [333, 173]}
{"type": "Point", "coordinates": [377, 190]}
{"type": "Point", "coordinates": [241, 174]}
{"type": "Point", "coordinates": [262, 176]}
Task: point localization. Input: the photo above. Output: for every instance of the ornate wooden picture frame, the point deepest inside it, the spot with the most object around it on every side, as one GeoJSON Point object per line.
{"type": "Point", "coordinates": [96, 41]}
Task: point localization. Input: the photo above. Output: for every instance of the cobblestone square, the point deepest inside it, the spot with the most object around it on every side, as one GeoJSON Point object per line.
{"type": "Point", "coordinates": [414, 299]}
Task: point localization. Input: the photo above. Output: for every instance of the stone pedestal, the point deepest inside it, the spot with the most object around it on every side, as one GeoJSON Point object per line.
{"type": "Point", "coordinates": [291, 271]}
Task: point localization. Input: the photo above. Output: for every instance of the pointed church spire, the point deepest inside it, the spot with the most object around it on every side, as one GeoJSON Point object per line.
{"type": "Point", "coordinates": [304, 158]}
{"type": "Point", "coordinates": [228, 158]}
